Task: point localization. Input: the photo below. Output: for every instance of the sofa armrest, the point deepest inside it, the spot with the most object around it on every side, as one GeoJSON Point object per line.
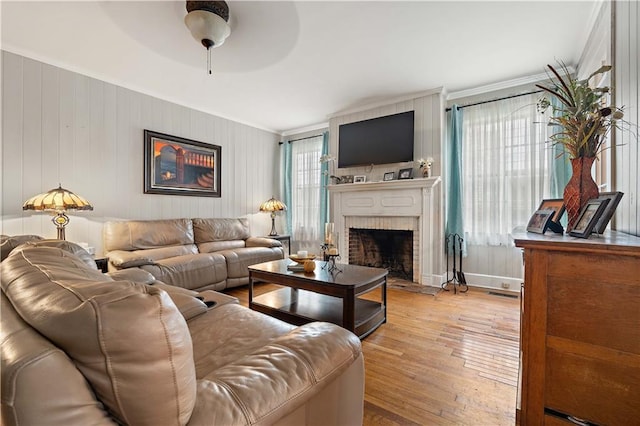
{"type": "Point", "coordinates": [190, 303]}
{"type": "Point", "coordinates": [132, 274]}
{"type": "Point", "coordinates": [125, 259]}
{"type": "Point", "coordinates": [262, 242]}
{"type": "Point", "coordinates": [277, 378]}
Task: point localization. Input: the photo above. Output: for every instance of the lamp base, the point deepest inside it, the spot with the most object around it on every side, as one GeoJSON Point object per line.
{"type": "Point", "coordinates": [273, 232]}
{"type": "Point", "coordinates": [60, 220]}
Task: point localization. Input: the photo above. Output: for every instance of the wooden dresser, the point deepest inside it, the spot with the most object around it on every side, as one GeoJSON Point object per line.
{"type": "Point", "coordinates": [580, 329]}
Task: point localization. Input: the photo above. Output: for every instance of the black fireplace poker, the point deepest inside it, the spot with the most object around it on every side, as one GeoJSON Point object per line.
{"type": "Point", "coordinates": [458, 280]}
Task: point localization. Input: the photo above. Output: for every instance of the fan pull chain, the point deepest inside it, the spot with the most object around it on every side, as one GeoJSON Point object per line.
{"type": "Point", "coordinates": [209, 59]}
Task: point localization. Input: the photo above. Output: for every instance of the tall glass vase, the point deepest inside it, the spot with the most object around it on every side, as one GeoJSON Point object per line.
{"type": "Point", "coordinates": [580, 188]}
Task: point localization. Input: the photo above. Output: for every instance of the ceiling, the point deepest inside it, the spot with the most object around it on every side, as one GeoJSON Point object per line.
{"type": "Point", "coordinates": [290, 65]}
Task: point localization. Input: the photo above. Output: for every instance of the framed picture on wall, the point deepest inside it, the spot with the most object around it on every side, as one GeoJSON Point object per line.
{"type": "Point", "coordinates": [179, 166]}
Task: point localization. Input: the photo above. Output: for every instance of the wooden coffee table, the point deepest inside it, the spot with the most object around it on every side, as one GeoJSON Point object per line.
{"type": "Point", "coordinates": [322, 295]}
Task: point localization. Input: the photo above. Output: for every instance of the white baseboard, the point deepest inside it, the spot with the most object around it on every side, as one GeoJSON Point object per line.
{"type": "Point", "coordinates": [494, 282]}
{"type": "Point", "coordinates": [432, 280]}
{"type": "Point", "coordinates": [477, 280]}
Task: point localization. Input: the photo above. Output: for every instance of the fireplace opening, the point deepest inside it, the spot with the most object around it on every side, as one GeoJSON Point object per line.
{"type": "Point", "coordinates": [383, 248]}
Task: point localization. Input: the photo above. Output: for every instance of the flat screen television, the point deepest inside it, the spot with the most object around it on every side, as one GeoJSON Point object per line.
{"type": "Point", "coordinates": [380, 140]}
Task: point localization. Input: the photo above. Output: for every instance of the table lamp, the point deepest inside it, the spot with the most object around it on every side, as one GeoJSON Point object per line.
{"type": "Point", "coordinates": [57, 200]}
{"type": "Point", "coordinates": [272, 205]}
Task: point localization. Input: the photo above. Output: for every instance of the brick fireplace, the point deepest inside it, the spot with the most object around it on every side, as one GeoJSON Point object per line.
{"type": "Point", "coordinates": [383, 248]}
{"type": "Point", "coordinates": [411, 206]}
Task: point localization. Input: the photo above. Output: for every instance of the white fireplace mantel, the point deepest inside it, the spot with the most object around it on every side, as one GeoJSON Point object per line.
{"type": "Point", "coordinates": [411, 204]}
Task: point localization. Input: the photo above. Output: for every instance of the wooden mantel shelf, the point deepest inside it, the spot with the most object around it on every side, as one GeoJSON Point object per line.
{"type": "Point", "coordinates": [390, 184]}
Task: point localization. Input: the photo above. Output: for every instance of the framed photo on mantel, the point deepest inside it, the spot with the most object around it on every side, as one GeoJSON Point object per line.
{"type": "Point", "coordinates": [405, 173]}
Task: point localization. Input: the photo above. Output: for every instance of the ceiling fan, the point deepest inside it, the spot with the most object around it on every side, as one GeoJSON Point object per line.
{"type": "Point", "coordinates": [264, 32]}
{"type": "Point", "coordinates": [208, 22]}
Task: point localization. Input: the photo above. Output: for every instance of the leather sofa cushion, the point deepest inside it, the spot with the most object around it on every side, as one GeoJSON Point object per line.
{"type": "Point", "coordinates": [188, 302]}
{"type": "Point", "coordinates": [128, 339]}
{"type": "Point", "coordinates": [73, 248]}
{"type": "Point", "coordinates": [217, 229]}
{"type": "Point", "coordinates": [132, 274]}
{"type": "Point", "coordinates": [8, 243]}
{"type": "Point", "coordinates": [192, 271]}
{"type": "Point", "coordinates": [147, 234]}
{"type": "Point", "coordinates": [213, 350]}
{"type": "Point", "coordinates": [275, 379]}
{"type": "Point", "coordinates": [130, 259]}
{"type": "Point", "coordinates": [262, 242]}
{"type": "Point", "coordinates": [33, 371]}
{"type": "Point", "coordinates": [239, 260]}
{"type": "Point", "coordinates": [214, 246]}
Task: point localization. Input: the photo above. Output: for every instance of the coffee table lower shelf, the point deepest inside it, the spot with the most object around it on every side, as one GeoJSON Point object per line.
{"type": "Point", "coordinates": [301, 306]}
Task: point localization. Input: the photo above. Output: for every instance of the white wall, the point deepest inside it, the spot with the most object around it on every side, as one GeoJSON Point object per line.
{"type": "Point", "coordinates": [627, 152]}
{"type": "Point", "coordinates": [63, 127]}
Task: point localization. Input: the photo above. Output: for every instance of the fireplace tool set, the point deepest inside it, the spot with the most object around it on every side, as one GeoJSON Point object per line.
{"type": "Point", "coordinates": [458, 280]}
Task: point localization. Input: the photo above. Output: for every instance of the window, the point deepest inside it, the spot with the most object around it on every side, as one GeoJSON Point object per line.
{"type": "Point", "coordinates": [305, 193]}
{"type": "Point", "coordinates": [506, 167]}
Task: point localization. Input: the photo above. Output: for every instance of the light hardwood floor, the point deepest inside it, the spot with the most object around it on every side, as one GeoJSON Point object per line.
{"type": "Point", "coordinates": [449, 359]}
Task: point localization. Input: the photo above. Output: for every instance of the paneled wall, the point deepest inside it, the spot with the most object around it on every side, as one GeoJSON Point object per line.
{"type": "Point", "coordinates": [63, 127]}
{"type": "Point", "coordinates": [627, 152]}
{"type": "Point", "coordinates": [428, 142]}
{"type": "Point", "coordinates": [429, 123]}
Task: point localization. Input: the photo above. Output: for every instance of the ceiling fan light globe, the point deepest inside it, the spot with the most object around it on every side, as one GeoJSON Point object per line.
{"type": "Point", "coordinates": [207, 27]}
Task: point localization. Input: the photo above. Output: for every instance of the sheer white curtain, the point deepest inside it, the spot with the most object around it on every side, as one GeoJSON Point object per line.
{"type": "Point", "coordinates": [305, 194]}
{"type": "Point", "coordinates": [506, 167]}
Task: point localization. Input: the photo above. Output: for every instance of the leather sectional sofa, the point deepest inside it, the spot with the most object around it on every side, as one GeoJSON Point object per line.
{"type": "Point", "coordinates": [197, 254]}
{"type": "Point", "coordinates": [80, 347]}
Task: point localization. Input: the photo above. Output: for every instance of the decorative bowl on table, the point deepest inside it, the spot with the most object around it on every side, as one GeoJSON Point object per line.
{"type": "Point", "coordinates": [301, 259]}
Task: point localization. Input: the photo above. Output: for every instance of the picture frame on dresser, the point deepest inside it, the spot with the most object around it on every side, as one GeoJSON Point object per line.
{"type": "Point", "coordinates": [359, 179]}
{"type": "Point", "coordinates": [389, 176]}
{"type": "Point", "coordinates": [180, 166]}
{"type": "Point", "coordinates": [589, 216]}
{"type": "Point", "coordinates": [614, 198]}
{"type": "Point", "coordinates": [557, 205]}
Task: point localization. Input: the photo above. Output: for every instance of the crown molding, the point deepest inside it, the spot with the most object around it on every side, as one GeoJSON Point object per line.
{"type": "Point", "coordinates": [310, 128]}
{"type": "Point", "coordinates": [386, 102]}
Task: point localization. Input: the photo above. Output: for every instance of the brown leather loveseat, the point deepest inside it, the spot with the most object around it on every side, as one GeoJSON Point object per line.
{"type": "Point", "coordinates": [198, 254]}
{"type": "Point", "coordinates": [84, 348]}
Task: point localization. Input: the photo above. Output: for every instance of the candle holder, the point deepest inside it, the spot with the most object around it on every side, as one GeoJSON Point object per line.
{"type": "Point", "coordinates": [330, 265]}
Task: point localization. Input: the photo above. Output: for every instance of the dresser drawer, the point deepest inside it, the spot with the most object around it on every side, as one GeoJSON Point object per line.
{"type": "Point", "coordinates": [597, 384]}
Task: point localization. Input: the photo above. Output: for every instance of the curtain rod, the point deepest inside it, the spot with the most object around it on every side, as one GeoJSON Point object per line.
{"type": "Point", "coordinates": [301, 139]}
{"type": "Point", "coordinates": [495, 100]}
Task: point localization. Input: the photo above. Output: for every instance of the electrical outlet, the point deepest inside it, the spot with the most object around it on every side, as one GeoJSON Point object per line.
{"type": "Point", "coordinates": [506, 285]}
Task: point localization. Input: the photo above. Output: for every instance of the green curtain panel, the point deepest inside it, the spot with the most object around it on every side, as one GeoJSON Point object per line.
{"type": "Point", "coordinates": [560, 167]}
{"type": "Point", "coordinates": [454, 223]}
